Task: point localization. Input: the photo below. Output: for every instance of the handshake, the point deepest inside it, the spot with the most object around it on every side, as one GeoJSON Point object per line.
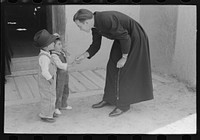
{"type": "Point", "coordinates": [121, 62]}
{"type": "Point", "coordinates": [80, 58]}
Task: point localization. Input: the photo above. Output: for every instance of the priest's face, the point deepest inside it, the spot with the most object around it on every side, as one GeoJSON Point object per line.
{"type": "Point", "coordinates": [84, 26]}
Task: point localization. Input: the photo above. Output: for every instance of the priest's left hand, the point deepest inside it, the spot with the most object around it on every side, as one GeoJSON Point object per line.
{"type": "Point", "coordinates": [121, 62]}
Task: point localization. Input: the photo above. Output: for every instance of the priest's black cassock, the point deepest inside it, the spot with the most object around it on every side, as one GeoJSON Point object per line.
{"type": "Point", "coordinates": [133, 82]}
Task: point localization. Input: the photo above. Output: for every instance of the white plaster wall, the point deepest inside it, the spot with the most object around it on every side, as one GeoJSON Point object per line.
{"type": "Point", "coordinates": [78, 41]}
{"type": "Point", "coordinates": [184, 62]}
{"type": "Point", "coordinates": [159, 22]}
{"type": "Point", "coordinates": [172, 37]}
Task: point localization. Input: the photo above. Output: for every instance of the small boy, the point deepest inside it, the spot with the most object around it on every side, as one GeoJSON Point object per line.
{"type": "Point", "coordinates": [47, 74]}
{"type": "Point", "coordinates": [62, 87]}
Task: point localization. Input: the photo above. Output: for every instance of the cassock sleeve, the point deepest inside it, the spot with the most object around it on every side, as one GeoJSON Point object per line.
{"type": "Point", "coordinates": [96, 43]}
{"type": "Point", "coordinates": [116, 30]}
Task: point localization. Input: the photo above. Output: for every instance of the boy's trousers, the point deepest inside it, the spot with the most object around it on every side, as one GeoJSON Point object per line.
{"type": "Point", "coordinates": [62, 88]}
{"type": "Point", "coordinates": [48, 97]}
{"type": "Point", "coordinates": [47, 91]}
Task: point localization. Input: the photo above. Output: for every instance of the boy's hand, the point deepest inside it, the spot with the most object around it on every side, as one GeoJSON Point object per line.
{"type": "Point", "coordinates": [71, 64]}
{"type": "Point", "coordinates": [57, 35]}
{"type": "Point", "coordinates": [51, 81]}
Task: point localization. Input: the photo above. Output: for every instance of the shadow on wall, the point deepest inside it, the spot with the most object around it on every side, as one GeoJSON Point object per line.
{"type": "Point", "coordinates": [160, 24]}
{"type": "Point", "coordinates": [172, 37]}
{"type": "Point", "coordinates": [184, 60]}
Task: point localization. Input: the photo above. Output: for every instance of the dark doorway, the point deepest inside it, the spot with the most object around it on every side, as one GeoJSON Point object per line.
{"type": "Point", "coordinates": [22, 22]}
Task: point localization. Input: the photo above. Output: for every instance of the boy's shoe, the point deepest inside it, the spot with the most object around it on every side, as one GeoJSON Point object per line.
{"type": "Point", "coordinates": [57, 111]}
{"type": "Point", "coordinates": [55, 115]}
{"type": "Point", "coordinates": [66, 108]}
{"type": "Point", "coordinates": [50, 120]}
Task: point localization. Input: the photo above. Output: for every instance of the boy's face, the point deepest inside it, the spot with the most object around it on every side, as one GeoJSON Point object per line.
{"type": "Point", "coordinates": [58, 45]}
{"type": "Point", "coordinates": [51, 46]}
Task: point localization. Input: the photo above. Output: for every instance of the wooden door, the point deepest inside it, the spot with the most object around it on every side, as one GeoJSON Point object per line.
{"type": "Point", "coordinates": [59, 20]}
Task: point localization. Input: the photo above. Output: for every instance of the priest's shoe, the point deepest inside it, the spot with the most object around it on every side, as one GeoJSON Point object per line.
{"type": "Point", "coordinates": [55, 115]}
{"type": "Point", "coordinates": [49, 120]}
{"type": "Point", "coordinates": [117, 112]}
{"type": "Point", "coordinates": [100, 104]}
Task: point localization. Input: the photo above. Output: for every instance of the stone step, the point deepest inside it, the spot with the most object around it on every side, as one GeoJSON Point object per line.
{"type": "Point", "coordinates": [24, 64]}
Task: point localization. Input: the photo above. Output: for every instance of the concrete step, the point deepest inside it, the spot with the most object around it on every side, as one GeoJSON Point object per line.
{"type": "Point", "coordinates": [24, 64]}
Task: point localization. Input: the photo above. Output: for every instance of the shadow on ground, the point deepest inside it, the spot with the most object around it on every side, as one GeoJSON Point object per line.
{"type": "Point", "coordinates": [172, 101]}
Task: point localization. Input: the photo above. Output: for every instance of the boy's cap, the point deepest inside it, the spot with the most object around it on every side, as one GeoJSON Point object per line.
{"type": "Point", "coordinates": [43, 38]}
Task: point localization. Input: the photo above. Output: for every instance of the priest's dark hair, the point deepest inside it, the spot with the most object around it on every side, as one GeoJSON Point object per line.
{"type": "Point", "coordinates": [82, 15]}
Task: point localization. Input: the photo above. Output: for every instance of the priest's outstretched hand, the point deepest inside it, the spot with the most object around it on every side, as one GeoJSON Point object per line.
{"type": "Point", "coordinates": [81, 57]}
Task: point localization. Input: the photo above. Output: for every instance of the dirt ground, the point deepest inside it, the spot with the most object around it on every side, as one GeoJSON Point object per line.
{"type": "Point", "coordinates": [172, 102]}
